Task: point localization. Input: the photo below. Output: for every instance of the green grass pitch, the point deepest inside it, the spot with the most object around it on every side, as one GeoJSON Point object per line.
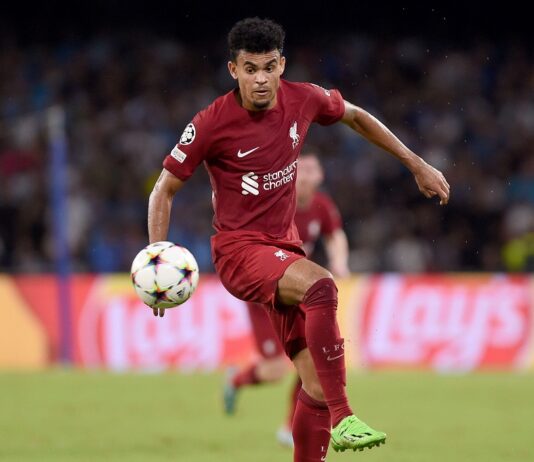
{"type": "Point", "coordinates": [82, 416]}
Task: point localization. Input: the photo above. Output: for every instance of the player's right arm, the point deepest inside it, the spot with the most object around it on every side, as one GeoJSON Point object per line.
{"type": "Point", "coordinates": [179, 165]}
{"type": "Point", "coordinates": [160, 204]}
{"type": "Point", "coordinates": [159, 211]}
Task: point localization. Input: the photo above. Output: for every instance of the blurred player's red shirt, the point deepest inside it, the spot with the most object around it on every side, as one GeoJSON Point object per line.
{"type": "Point", "coordinates": [251, 157]}
{"type": "Point", "coordinates": [320, 218]}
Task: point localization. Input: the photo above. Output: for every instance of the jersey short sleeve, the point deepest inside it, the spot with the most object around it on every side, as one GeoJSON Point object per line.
{"type": "Point", "coordinates": [192, 148]}
{"type": "Point", "coordinates": [328, 104]}
{"type": "Point", "coordinates": [330, 216]}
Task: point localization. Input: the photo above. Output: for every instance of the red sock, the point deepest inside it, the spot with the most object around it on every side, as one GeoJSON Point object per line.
{"type": "Point", "coordinates": [326, 346]}
{"type": "Point", "coordinates": [293, 401]}
{"type": "Point", "coordinates": [311, 429]}
{"type": "Point", "coordinates": [246, 377]}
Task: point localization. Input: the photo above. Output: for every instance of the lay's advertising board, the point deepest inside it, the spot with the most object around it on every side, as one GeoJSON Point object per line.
{"type": "Point", "coordinates": [451, 322]}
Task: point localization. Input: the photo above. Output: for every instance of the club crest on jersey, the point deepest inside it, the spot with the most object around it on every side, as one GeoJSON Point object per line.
{"type": "Point", "coordinates": [294, 135]}
{"type": "Point", "coordinates": [188, 136]}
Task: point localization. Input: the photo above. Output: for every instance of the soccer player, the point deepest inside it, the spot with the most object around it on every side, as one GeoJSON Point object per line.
{"type": "Point", "coordinates": [249, 140]}
{"type": "Point", "coordinates": [316, 216]}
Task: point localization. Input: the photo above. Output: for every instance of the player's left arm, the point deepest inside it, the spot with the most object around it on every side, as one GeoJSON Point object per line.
{"type": "Point", "coordinates": [337, 251]}
{"type": "Point", "coordinates": [430, 181]}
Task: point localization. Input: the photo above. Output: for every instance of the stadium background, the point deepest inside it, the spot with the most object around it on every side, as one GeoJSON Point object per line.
{"type": "Point", "coordinates": [432, 290]}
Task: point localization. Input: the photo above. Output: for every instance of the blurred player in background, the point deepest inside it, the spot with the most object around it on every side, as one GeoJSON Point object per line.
{"type": "Point", "coordinates": [316, 217]}
{"type": "Point", "coordinates": [249, 140]}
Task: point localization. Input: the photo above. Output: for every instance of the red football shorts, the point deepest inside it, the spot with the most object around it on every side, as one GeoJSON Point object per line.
{"type": "Point", "coordinates": [249, 265]}
{"type": "Point", "coordinates": [267, 341]}
{"type": "Point", "coordinates": [274, 326]}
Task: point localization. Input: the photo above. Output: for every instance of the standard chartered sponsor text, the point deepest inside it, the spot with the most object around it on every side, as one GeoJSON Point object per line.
{"type": "Point", "coordinates": [273, 180]}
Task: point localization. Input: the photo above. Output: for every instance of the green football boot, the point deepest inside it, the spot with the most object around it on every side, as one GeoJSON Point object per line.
{"type": "Point", "coordinates": [352, 433]}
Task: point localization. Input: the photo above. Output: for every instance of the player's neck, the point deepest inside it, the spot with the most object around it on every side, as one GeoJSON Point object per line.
{"type": "Point", "coordinates": [304, 202]}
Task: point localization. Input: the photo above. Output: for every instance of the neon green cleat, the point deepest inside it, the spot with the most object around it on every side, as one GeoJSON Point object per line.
{"type": "Point", "coordinates": [352, 433]}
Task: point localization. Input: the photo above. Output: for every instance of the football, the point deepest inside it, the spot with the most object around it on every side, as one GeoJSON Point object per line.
{"type": "Point", "coordinates": [164, 274]}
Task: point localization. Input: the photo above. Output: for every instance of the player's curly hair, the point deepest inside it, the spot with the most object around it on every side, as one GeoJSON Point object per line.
{"type": "Point", "coordinates": [255, 35]}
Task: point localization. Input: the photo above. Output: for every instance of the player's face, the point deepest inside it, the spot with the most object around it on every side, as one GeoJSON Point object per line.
{"type": "Point", "coordinates": [309, 176]}
{"type": "Point", "coordinates": [258, 77]}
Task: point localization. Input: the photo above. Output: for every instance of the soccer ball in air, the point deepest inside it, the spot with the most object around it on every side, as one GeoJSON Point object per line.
{"type": "Point", "coordinates": [164, 274]}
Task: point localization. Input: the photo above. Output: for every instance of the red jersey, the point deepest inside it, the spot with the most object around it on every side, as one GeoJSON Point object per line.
{"type": "Point", "coordinates": [251, 156]}
{"type": "Point", "coordinates": [320, 218]}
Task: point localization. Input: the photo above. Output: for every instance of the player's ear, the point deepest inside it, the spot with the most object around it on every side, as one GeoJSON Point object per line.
{"type": "Point", "coordinates": [282, 64]}
{"type": "Point", "coordinates": [232, 68]}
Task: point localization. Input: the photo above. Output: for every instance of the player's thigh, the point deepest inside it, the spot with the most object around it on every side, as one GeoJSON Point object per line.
{"type": "Point", "coordinates": [297, 279]}
{"type": "Point", "coordinates": [308, 375]}
{"type": "Point", "coordinates": [252, 273]}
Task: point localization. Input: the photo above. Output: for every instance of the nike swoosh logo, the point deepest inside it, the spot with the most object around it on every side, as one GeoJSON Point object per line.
{"type": "Point", "coordinates": [246, 153]}
{"type": "Point", "coordinates": [331, 358]}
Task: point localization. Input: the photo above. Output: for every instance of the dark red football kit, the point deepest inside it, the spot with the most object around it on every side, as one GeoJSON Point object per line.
{"type": "Point", "coordinates": [251, 158]}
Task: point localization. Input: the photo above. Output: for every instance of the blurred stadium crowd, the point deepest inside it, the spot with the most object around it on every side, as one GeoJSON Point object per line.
{"type": "Point", "coordinates": [469, 111]}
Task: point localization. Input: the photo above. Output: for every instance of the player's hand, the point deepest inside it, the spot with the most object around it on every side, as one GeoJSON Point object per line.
{"type": "Point", "coordinates": [431, 182]}
{"type": "Point", "coordinates": [158, 312]}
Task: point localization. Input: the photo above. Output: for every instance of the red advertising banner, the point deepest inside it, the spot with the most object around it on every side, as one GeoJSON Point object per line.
{"type": "Point", "coordinates": [440, 322]}
{"type": "Point", "coordinates": [117, 331]}
{"type": "Point", "coordinates": [111, 328]}
{"type": "Point", "coordinates": [446, 323]}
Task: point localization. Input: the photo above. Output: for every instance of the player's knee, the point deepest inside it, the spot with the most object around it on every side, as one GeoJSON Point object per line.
{"type": "Point", "coordinates": [279, 369]}
{"type": "Point", "coordinates": [315, 390]}
{"type": "Point", "coordinates": [273, 369]}
{"type": "Point", "coordinates": [321, 292]}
